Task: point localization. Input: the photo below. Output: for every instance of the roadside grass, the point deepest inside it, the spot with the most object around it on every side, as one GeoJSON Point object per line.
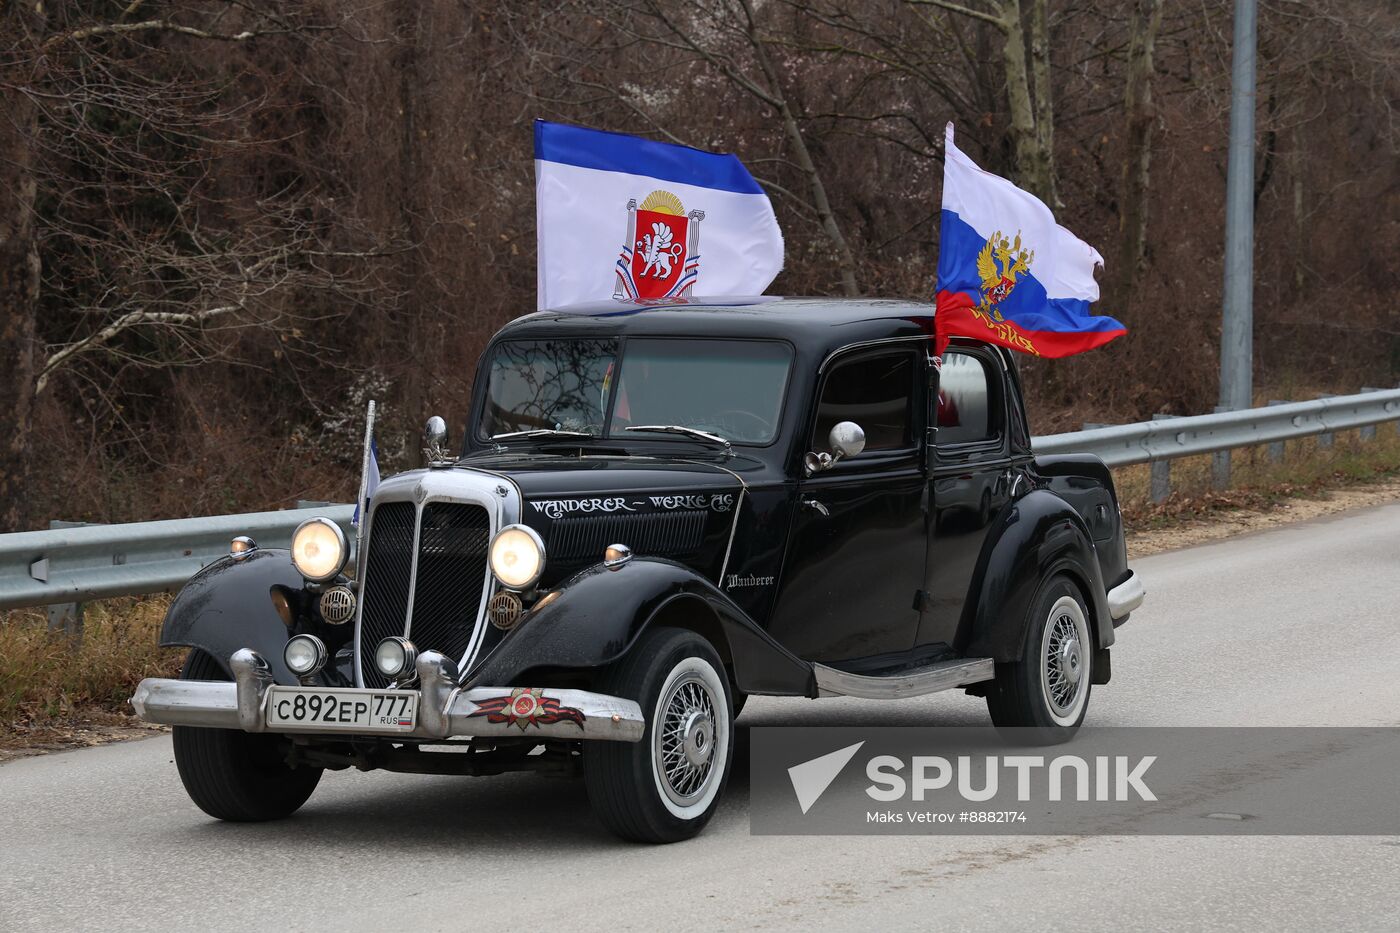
{"type": "Point", "coordinates": [50, 687]}
{"type": "Point", "coordinates": [1307, 470]}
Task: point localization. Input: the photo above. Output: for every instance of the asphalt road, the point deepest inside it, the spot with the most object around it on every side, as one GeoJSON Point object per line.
{"type": "Point", "coordinates": [1295, 626]}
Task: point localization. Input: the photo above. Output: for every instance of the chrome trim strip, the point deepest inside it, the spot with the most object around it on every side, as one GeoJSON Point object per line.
{"type": "Point", "coordinates": [444, 709]}
{"type": "Point", "coordinates": [941, 676]}
{"type": "Point", "coordinates": [738, 508]}
{"type": "Point", "coordinates": [413, 571]}
{"type": "Point", "coordinates": [920, 338]}
{"type": "Point", "coordinates": [1126, 596]}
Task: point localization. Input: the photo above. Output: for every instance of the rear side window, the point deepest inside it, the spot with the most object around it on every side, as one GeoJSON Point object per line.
{"type": "Point", "coordinates": [875, 392]}
{"type": "Point", "coordinates": [966, 412]}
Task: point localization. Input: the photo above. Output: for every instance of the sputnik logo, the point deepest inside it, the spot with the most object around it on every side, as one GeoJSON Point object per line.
{"type": "Point", "coordinates": [811, 778]}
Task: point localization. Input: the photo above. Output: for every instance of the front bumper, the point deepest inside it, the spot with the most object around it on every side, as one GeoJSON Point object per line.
{"type": "Point", "coordinates": [445, 710]}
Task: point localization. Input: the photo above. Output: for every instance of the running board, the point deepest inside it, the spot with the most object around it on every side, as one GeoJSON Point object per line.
{"type": "Point", "coordinates": [941, 676]}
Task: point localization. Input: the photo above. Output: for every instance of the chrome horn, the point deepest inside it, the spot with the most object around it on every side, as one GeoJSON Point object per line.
{"type": "Point", "coordinates": [846, 439]}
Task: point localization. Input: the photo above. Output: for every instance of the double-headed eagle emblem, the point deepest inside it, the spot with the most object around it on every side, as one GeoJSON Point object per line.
{"type": "Point", "coordinates": [999, 264]}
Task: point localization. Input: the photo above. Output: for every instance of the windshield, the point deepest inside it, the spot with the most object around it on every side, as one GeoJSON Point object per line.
{"type": "Point", "coordinates": [732, 388]}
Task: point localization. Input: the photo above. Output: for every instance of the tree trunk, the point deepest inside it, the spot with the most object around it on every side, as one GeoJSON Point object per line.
{"type": "Point", "coordinates": [1137, 158]}
{"type": "Point", "coordinates": [1032, 168]}
{"type": "Point", "coordinates": [19, 272]}
{"type": "Point", "coordinates": [1044, 99]}
{"type": "Point", "coordinates": [1300, 239]}
{"type": "Point", "coordinates": [845, 260]}
{"type": "Point", "coordinates": [413, 312]}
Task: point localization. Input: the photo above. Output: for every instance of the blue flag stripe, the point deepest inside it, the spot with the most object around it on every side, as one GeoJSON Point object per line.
{"type": "Point", "coordinates": [1028, 307]}
{"type": "Point", "coordinates": [632, 155]}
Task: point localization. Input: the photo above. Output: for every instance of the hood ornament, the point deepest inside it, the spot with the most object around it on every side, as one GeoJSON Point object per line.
{"type": "Point", "coordinates": [435, 443]}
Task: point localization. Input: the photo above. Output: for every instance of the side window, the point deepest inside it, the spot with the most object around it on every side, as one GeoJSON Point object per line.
{"type": "Point", "coordinates": [966, 412]}
{"type": "Point", "coordinates": [877, 393]}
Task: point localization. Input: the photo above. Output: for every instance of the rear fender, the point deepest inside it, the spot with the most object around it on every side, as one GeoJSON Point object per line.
{"type": "Point", "coordinates": [228, 605]}
{"type": "Point", "coordinates": [1040, 535]}
{"type": "Point", "coordinates": [601, 611]}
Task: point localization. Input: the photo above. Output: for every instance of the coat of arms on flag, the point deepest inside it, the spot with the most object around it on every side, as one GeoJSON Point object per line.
{"type": "Point", "coordinates": [660, 255]}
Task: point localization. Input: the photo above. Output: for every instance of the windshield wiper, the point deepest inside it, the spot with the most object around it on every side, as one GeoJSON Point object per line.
{"type": "Point", "coordinates": [540, 432]}
{"type": "Point", "coordinates": [688, 432]}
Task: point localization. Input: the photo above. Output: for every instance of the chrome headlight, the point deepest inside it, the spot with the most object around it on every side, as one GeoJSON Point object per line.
{"type": "Point", "coordinates": [517, 556]}
{"type": "Point", "coordinates": [318, 549]}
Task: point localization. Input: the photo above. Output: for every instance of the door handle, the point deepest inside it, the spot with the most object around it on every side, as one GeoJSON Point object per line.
{"type": "Point", "coordinates": [817, 507]}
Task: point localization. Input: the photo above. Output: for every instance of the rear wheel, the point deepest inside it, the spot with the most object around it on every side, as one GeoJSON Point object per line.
{"type": "Point", "coordinates": [1047, 690]}
{"type": "Point", "coordinates": [233, 775]}
{"type": "Point", "coordinates": [665, 787]}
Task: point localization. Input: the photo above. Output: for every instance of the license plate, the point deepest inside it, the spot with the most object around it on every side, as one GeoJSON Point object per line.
{"type": "Point", "coordinates": [314, 710]}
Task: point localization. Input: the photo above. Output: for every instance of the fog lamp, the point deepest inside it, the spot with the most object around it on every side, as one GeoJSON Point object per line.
{"type": "Point", "coordinates": [395, 656]}
{"type": "Point", "coordinates": [305, 655]}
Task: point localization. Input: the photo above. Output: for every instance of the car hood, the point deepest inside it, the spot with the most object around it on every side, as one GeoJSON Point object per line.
{"type": "Point", "coordinates": [675, 508]}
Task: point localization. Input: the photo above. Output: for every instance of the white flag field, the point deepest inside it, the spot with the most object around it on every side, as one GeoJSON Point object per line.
{"type": "Point", "coordinates": [630, 218]}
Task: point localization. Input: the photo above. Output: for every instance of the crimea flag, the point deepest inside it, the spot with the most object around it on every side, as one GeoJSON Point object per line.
{"type": "Point", "coordinates": [1008, 273]}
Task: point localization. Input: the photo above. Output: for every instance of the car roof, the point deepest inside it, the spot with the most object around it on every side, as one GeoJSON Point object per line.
{"type": "Point", "coordinates": [819, 324]}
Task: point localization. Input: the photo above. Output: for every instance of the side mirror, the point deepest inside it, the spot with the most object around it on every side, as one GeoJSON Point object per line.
{"type": "Point", "coordinates": [847, 439]}
{"type": "Point", "coordinates": [435, 440]}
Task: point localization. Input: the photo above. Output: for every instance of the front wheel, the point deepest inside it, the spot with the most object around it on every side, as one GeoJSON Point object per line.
{"type": "Point", "coordinates": [1047, 690]}
{"type": "Point", "coordinates": [665, 787]}
{"type": "Point", "coordinates": [237, 776]}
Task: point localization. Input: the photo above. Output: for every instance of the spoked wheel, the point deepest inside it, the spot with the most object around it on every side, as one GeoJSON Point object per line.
{"type": "Point", "coordinates": [666, 787]}
{"type": "Point", "coordinates": [234, 775]}
{"type": "Point", "coordinates": [1047, 690]}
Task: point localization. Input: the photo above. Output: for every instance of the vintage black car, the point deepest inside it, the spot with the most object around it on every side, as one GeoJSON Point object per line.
{"type": "Point", "coordinates": [657, 512]}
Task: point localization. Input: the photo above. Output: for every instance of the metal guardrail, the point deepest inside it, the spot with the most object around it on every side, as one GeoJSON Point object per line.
{"type": "Point", "coordinates": [1166, 439]}
{"type": "Point", "coordinates": [85, 562]}
{"type": "Point", "coordinates": [69, 565]}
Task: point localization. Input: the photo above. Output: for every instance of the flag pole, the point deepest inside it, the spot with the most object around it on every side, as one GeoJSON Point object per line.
{"type": "Point", "coordinates": [360, 503]}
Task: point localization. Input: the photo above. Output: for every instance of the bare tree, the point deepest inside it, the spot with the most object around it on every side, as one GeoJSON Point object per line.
{"type": "Point", "coordinates": [1033, 142]}
{"type": "Point", "coordinates": [1137, 158]}
{"type": "Point", "coordinates": [727, 36]}
{"type": "Point", "coordinates": [20, 25]}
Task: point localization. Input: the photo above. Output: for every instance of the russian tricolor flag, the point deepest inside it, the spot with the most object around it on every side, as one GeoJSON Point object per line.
{"type": "Point", "coordinates": [630, 218]}
{"type": "Point", "coordinates": [1008, 273]}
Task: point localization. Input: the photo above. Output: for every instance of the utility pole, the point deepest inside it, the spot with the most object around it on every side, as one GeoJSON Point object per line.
{"type": "Point", "coordinates": [1237, 326]}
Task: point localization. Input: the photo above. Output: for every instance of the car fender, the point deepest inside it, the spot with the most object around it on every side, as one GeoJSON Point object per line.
{"type": "Point", "coordinates": [600, 612]}
{"type": "Point", "coordinates": [1039, 535]}
{"type": "Point", "coordinates": [228, 605]}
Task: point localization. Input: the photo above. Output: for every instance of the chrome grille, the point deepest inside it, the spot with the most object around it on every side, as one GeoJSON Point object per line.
{"type": "Point", "coordinates": [451, 572]}
{"type": "Point", "coordinates": [384, 590]}
{"type": "Point", "coordinates": [670, 534]}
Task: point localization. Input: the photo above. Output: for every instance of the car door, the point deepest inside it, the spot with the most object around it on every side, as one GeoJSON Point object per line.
{"type": "Point", "coordinates": [855, 554]}
{"type": "Point", "coordinates": [969, 483]}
